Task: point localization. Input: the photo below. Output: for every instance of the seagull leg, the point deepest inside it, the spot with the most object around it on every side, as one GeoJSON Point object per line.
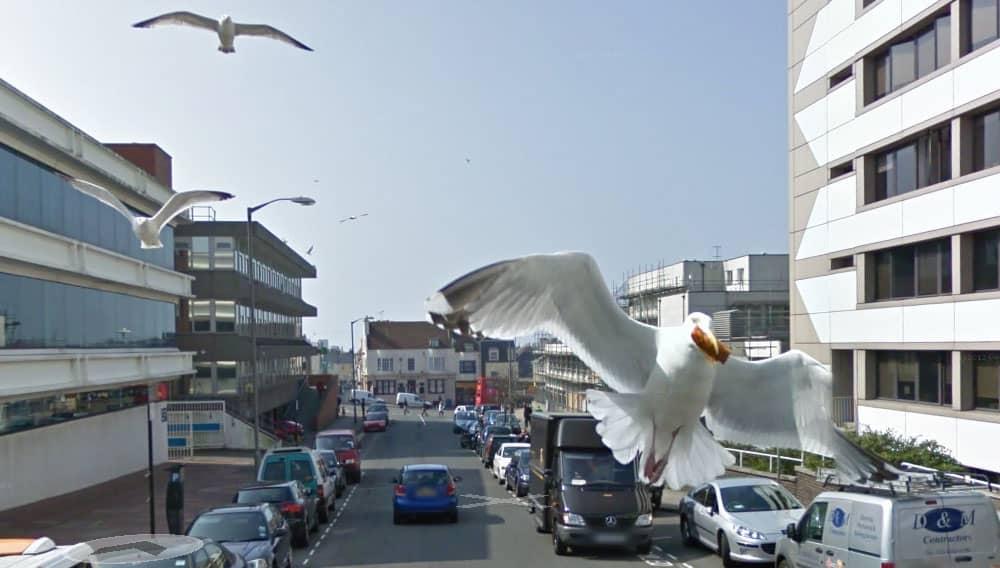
{"type": "Point", "coordinates": [654, 468]}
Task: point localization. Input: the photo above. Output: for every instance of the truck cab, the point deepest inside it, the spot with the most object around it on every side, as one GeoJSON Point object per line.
{"type": "Point", "coordinates": [578, 491]}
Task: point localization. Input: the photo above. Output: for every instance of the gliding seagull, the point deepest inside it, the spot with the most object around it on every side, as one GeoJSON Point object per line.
{"type": "Point", "coordinates": [665, 377]}
{"type": "Point", "coordinates": [353, 217]}
{"type": "Point", "coordinates": [224, 27]}
{"type": "Point", "coordinates": [148, 228]}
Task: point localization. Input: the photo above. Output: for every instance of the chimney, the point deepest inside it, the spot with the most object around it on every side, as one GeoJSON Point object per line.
{"type": "Point", "coordinates": [150, 157]}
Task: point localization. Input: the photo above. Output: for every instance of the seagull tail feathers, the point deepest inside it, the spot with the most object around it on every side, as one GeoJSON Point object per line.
{"type": "Point", "coordinates": [695, 458]}
{"type": "Point", "coordinates": [620, 422]}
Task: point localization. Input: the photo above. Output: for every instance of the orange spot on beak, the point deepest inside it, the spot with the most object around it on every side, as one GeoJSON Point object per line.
{"type": "Point", "coordinates": [714, 349]}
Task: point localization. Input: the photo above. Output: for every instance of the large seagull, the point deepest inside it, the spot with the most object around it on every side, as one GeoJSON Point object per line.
{"type": "Point", "coordinates": [225, 27]}
{"type": "Point", "coordinates": [147, 229]}
{"type": "Point", "coordinates": [666, 378]}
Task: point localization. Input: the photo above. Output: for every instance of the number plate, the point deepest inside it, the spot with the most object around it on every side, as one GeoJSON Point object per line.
{"type": "Point", "coordinates": [426, 492]}
{"type": "Point", "coordinates": [609, 538]}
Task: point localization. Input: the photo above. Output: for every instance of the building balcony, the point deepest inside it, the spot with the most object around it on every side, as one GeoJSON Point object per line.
{"type": "Point", "coordinates": [233, 347]}
{"type": "Point", "coordinates": [231, 285]}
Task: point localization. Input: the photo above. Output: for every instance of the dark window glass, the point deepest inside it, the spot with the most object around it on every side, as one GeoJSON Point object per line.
{"type": "Point", "coordinates": [42, 314]}
{"type": "Point", "coordinates": [985, 269]}
{"type": "Point", "coordinates": [920, 163]}
{"type": "Point", "coordinates": [913, 270]}
{"type": "Point", "coordinates": [906, 169]}
{"type": "Point", "coordinates": [914, 375]}
{"type": "Point", "coordinates": [902, 272]}
{"type": "Point", "coordinates": [986, 141]}
{"type": "Point", "coordinates": [911, 58]}
{"type": "Point", "coordinates": [986, 376]}
{"type": "Point", "coordinates": [943, 32]}
{"type": "Point", "coordinates": [926, 52]}
{"type": "Point", "coordinates": [983, 28]}
{"type": "Point", "coordinates": [881, 76]}
{"type": "Point", "coordinates": [18, 415]}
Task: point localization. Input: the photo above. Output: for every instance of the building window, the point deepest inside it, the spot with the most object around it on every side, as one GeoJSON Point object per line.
{"type": "Point", "coordinates": [411, 364]}
{"type": "Point", "coordinates": [985, 261]}
{"type": "Point", "coordinates": [739, 276]}
{"type": "Point", "coordinates": [841, 76]}
{"type": "Point", "coordinates": [494, 375]}
{"type": "Point", "coordinates": [923, 376]}
{"type": "Point", "coordinates": [435, 364]}
{"type": "Point", "coordinates": [200, 256]}
{"type": "Point", "coordinates": [494, 354]}
{"type": "Point", "coordinates": [986, 141]}
{"type": "Point", "coordinates": [385, 387]}
{"type": "Point", "coordinates": [914, 270]}
{"type": "Point", "coordinates": [842, 262]}
{"type": "Point", "coordinates": [986, 380]}
{"type": "Point", "coordinates": [467, 367]}
{"type": "Point", "coordinates": [435, 342]}
{"type": "Point", "coordinates": [435, 386]}
{"type": "Point", "coordinates": [842, 169]}
{"type": "Point", "coordinates": [918, 163]}
{"type": "Point", "coordinates": [384, 364]}
{"type": "Point", "coordinates": [729, 277]}
{"type": "Point", "coordinates": [912, 58]}
{"type": "Point", "coordinates": [201, 315]}
{"type": "Point", "coordinates": [225, 316]}
{"type": "Point", "coordinates": [470, 347]}
{"type": "Point", "coordinates": [223, 256]}
{"type": "Point", "coordinates": [227, 381]}
{"type": "Point", "coordinates": [984, 22]}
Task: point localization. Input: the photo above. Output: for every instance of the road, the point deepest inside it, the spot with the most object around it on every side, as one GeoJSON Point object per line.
{"type": "Point", "coordinates": [492, 534]}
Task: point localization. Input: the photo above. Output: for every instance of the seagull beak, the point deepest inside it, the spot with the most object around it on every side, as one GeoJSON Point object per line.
{"type": "Point", "coordinates": [710, 345]}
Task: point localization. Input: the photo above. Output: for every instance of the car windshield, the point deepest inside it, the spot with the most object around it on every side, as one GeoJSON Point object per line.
{"type": "Point", "coordinates": [375, 416]}
{"type": "Point", "coordinates": [509, 451]}
{"type": "Point", "coordinates": [523, 459]}
{"type": "Point", "coordinates": [274, 470]}
{"type": "Point", "coordinates": [265, 495]}
{"type": "Point", "coordinates": [425, 477]}
{"type": "Point", "coordinates": [464, 416]}
{"type": "Point", "coordinates": [301, 470]}
{"type": "Point", "coordinates": [330, 458]}
{"type": "Point", "coordinates": [595, 469]}
{"type": "Point", "coordinates": [756, 498]}
{"type": "Point", "coordinates": [339, 442]}
{"type": "Point", "coordinates": [230, 527]}
{"type": "Point", "coordinates": [499, 430]}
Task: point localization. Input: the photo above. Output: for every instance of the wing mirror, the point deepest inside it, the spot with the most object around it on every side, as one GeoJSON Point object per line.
{"type": "Point", "coordinates": [457, 478]}
{"type": "Point", "coordinates": [792, 532]}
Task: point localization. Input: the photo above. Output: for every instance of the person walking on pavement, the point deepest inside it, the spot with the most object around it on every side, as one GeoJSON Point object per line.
{"type": "Point", "coordinates": [175, 500]}
{"type": "Point", "coordinates": [406, 407]}
{"type": "Point", "coordinates": [423, 408]}
{"type": "Point", "coordinates": [440, 407]}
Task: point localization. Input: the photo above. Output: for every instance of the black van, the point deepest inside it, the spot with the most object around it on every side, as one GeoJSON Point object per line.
{"type": "Point", "coordinates": [580, 493]}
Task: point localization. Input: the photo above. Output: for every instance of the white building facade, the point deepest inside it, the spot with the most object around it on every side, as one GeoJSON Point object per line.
{"type": "Point", "coordinates": [87, 318]}
{"type": "Point", "coordinates": [895, 206]}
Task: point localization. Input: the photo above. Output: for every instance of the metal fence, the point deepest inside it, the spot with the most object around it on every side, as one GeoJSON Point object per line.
{"type": "Point", "coordinates": [843, 410]}
{"type": "Point", "coordinates": [773, 460]}
{"type": "Point", "coordinates": [195, 425]}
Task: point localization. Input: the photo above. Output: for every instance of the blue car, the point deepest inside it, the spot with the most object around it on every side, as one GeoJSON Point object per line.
{"type": "Point", "coordinates": [425, 489]}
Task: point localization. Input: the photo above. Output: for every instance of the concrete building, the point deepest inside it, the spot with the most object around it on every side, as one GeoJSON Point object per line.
{"type": "Point", "coordinates": [415, 357]}
{"type": "Point", "coordinates": [563, 377]}
{"type": "Point", "coordinates": [895, 204]}
{"type": "Point", "coordinates": [216, 323]}
{"type": "Point", "coordinates": [746, 296]}
{"type": "Point", "coordinates": [86, 315]}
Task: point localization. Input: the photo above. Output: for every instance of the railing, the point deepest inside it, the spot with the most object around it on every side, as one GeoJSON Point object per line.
{"type": "Point", "coordinates": [773, 460]}
{"type": "Point", "coordinates": [843, 410]}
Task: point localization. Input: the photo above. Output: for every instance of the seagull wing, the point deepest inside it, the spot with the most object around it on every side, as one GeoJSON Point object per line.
{"type": "Point", "coordinates": [563, 294]}
{"type": "Point", "coordinates": [271, 32]}
{"type": "Point", "coordinates": [104, 196]}
{"type": "Point", "coordinates": [179, 19]}
{"type": "Point", "coordinates": [785, 402]}
{"type": "Point", "coordinates": [178, 202]}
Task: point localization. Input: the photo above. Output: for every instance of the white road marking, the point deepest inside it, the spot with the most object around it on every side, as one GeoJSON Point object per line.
{"type": "Point", "coordinates": [686, 565]}
{"type": "Point", "coordinates": [305, 562]}
{"type": "Point", "coordinates": [329, 526]}
{"type": "Point", "coordinates": [671, 556]}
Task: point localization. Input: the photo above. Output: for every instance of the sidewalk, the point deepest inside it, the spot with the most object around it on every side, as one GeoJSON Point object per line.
{"type": "Point", "coordinates": [120, 506]}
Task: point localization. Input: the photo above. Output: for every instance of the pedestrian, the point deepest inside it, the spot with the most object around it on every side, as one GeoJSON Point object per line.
{"type": "Point", "coordinates": [175, 500]}
{"type": "Point", "coordinates": [406, 407]}
{"type": "Point", "coordinates": [423, 408]}
{"type": "Point", "coordinates": [440, 407]}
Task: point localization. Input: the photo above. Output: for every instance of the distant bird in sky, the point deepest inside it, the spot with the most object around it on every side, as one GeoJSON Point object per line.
{"type": "Point", "coordinates": [468, 160]}
{"type": "Point", "coordinates": [224, 27]}
{"type": "Point", "coordinates": [310, 251]}
{"type": "Point", "coordinates": [148, 228]}
{"type": "Point", "coordinates": [353, 217]}
{"type": "Point", "coordinates": [665, 378]}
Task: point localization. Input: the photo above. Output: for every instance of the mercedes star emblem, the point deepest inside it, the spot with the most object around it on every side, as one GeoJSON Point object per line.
{"type": "Point", "coordinates": [610, 521]}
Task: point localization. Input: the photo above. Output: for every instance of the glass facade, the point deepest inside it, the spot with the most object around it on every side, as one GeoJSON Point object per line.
{"type": "Point", "coordinates": [35, 195]}
{"type": "Point", "coordinates": [19, 415]}
{"type": "Point", "coordinates": [227, 316]}
{"type": "Point", "coordinates": [912, 58]}
{"type": "Point", "coordinates": [909, 271]}
{"type": "Point", "coordinates": [986, 380]}
{"type": "Point", "coordinates": [923, 376]}
{"type": "Point", "coordinates": [40, 314]}
{"type": "Point", "coordinates": [234, 377]}
{"type": "Point", "coordinates": [220, 253]}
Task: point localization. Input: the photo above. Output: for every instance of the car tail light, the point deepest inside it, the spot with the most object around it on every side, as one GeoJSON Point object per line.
{"type": "Point", "coordinates": [291, 508]}
{"type": "Point", "coordinates": [450, 490]}
{"type": "Point", "coordinates": [888, 565]}
{"type": "Point", "coordinates": [400, 491]}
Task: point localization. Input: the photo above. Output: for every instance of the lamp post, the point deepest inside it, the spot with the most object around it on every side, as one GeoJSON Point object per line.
{"type": "Point", "coordinates": [354, 364]}
{"type": "Point", "coordinates": [306, 201]}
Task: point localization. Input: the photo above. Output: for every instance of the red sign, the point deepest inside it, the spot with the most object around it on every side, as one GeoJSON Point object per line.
{"type": "Point", "coordinates": [486, 391]}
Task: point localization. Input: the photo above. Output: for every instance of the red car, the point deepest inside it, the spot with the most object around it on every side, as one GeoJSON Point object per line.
{"type": "Point", "coordinates": [376, 421]}
{"type": "Point", "coordinates": [346, 445]}
{"type": "Point", "coordinates": [288, 430]}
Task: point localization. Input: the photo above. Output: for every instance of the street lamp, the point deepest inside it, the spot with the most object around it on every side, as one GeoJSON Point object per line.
{"type": "Point", "coordinates": [305, 201]}
{"type": "Point", "coordinates": [354, 363]}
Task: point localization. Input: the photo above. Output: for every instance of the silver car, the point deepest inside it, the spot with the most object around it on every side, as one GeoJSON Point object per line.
{"type": "Point", "coordinates": [741, 518]}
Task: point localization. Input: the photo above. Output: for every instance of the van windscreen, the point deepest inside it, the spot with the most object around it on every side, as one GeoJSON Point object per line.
{"type": "Point", "coordinates": [336, 443]}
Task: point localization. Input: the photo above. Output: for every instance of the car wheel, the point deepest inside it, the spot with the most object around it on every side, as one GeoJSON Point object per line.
{"type": "Point", "coordinates": [323, 515]}
{"type": "Point", "coordinates": [396, 518]}
{"type": "Point", "coordinates": [727, 560]}
{"type": "Point", "coordinates": [644, 548]}
{"type": "Point", "coordinates": [687, 535]}
{"type": "Point", "coordinates": [783, 563]}
{"type": "Point", "coordinates": [303, 538]}
{"type": "Point", "coordinates": [521, 492]}
{"type": "Point", "coordinates": [453, 517]}
{"type": "Point", "coordinates": [315, 525]}
{"type": "Point", "coordinates": [558, 545]}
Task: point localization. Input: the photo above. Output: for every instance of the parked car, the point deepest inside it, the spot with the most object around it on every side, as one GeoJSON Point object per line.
{"type": "Point", "coordinates": [295, 504]}
{"type": "Point", "coordinates": [377, 404]}
{"type": "Point", "coordinates": [503, 456]}
{"type": "Point", "coordinates": [288, 431]}
{"type": "Point", "coordinates": [486, 419]}
{"type": "Point", "coordinates": [485, 432]}
{"type": "Point", "coordinates": [462, 421]}
{"type": "Point", "coordinates": [469, 437]}
{"type": "Point", "coordinates": [306, 465]}
{"type": "Point", "coordinates": [347, 446]}
{"type": "Point", "coordinates": [355, 396]}
{"type": "Point", "coordinates": [425, 489]}
{"type": "Point", "coordinates": [376, 421]}
{"type": "Point", "coordinates": [334, 467]}
{"type": "Point", "coordinates": [518, 473]}
{"type": "Point", "coordinates": [256, 531]}
{"type": "Point", "coordinates": [463, 408]}
{"type": "Point", "coordinates": [493, 445]}
{"type": "Point", "coordinates": [882, 528]}
{"type": "Point", "coordinates": [135, 551]}
{"type": "Point", "coordinates": [741, 518]}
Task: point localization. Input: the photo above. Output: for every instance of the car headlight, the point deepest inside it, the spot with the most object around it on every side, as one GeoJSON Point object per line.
{"type": "Point", "coordinates": [748, 533]}
{"type": "Point", "coordinates": [257, 563]}
{"type": "Point", "coordinates": [523, 477]}
{"type": "Point", "coordinates": [573, 520]}
{"type": "Point", "coordinates": [644, 520]}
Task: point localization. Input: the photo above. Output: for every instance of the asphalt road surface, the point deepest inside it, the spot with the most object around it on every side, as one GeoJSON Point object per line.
{"type": "Point", "coordinates": [496, 531]}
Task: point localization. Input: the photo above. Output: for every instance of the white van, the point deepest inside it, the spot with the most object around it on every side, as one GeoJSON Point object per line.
{"type": "Point", "coordinates": [357, 395]}
{"type": "Point", "coordinates": [882, 530]}
{"type": "Point", "coordinates": [411, 399]}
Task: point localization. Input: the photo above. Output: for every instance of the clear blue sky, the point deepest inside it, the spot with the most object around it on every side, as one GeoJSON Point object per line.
{"type": "Point", "coordinates": [635, 131]}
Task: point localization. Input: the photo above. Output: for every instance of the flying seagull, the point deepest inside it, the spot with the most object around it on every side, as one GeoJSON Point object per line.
{"type": "Point", "coordinates": [468, 160]}
{"type": "Point", "coordinates": [310, 251]}
{"type": "Point", "coordinates": [353, 217]}
{"type": "Point", "coordinates": [148, 228]}
{"type": "Point", "coordinates": [224, 27]}
{"type": "Point", "coordinates": [665, 377]}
